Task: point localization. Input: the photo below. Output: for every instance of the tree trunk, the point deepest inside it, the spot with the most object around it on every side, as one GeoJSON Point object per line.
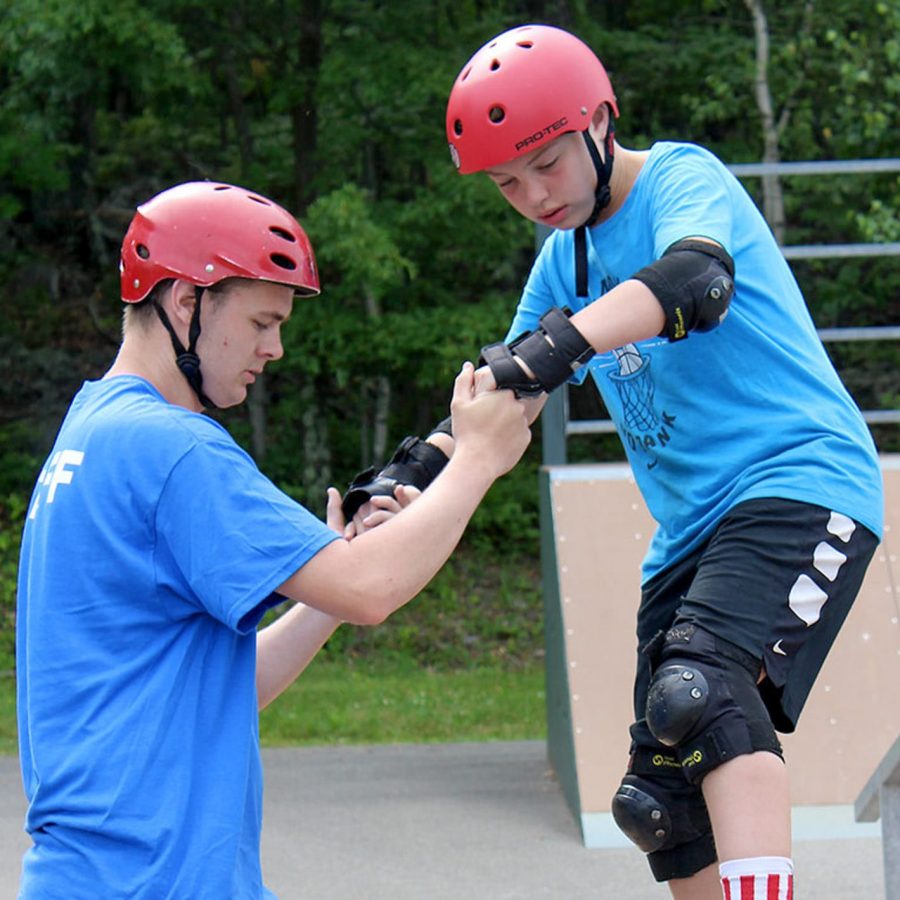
{"type": "Point", "coordinates": [773, 200]}
{"type": "Point", "coordinates": [379, 388]}
{"type": "Point", "coordinates": [308, 25]}
{"type": "Point", "coordinates": [235, 93]}
{"type": "Point", "coordinates": [380, 418]}
{"type": "Point", "coordinates": [316, 474]}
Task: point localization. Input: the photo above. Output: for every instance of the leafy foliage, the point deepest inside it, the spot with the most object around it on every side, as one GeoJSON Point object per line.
{"type": "Point", "coordinates": [335, 108]}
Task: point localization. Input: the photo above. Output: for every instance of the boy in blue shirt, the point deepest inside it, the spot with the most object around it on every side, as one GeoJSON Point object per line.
{"type": "Point", "coordinates": [153, 546]}
{"type": "Point", "coordinates": [662, 281]}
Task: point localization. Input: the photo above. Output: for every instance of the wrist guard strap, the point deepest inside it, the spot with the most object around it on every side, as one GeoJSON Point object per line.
{"type": "Point", "coordinates": [553, 352]}
{"type": "Point", "coordinates": [415, 462]}
{"type": "Point", "coordinates": [445, 426]}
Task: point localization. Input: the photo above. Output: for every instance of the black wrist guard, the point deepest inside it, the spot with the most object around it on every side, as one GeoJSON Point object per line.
{"type": "Point", "coordinates": [445, 426]}
{"type": "Point", "coordinates": [693, 282]}
{"type": "Point", "coordinates": [415, 462]}
{"type": "Point", "coordinates": [553, 352]}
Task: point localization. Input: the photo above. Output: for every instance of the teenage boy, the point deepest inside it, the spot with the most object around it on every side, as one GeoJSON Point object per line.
{"type": "Point", "coordinates": [662, 281]}
{"type": "Point", "coordinates": [153, 546]}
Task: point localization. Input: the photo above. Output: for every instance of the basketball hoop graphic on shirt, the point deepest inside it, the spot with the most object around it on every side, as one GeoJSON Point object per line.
{"type": "Point", "coordinates": [635, 388]}
{"type": "Point", "coordinates": [645, 430]}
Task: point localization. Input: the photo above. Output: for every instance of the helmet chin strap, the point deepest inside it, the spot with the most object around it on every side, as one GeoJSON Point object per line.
{"type": "Point", "coordinates": [186, 359]}
{"type": "Point", "coordinates": [603, 168]}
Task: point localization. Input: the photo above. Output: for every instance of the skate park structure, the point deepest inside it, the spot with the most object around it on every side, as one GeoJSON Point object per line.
{"type": "Point", "coordinates": [591, 595]}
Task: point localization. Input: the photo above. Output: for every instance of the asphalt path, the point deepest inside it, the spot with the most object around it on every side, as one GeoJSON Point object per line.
{"type": "Point", "coordinates": [449, 822]}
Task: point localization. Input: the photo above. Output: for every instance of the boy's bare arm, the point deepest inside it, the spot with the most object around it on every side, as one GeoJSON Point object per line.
{"type": "Point", "coordinates": [287, 646]}
{"type": "Point", "coordinates": [366, 579]}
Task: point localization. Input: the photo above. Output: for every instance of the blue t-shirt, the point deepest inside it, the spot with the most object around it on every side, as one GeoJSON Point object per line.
{"type": "Point", "coordinates": [751, 409]}
{"type": "Point", "coordinates": [152, 547]}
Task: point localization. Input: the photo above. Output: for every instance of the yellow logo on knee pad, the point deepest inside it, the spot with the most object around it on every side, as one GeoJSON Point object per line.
{"type": "Point", "coordinates": [693, 759]}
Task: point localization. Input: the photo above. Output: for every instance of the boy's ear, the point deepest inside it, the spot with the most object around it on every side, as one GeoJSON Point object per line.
{"type": "Point", "coordinates": [600, 119]}
{"type": "Point", "coordinates": [179, 300]}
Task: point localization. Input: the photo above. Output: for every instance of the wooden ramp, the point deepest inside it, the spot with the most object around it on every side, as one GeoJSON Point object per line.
{"type": "Point", "coordinates": [591, 595]}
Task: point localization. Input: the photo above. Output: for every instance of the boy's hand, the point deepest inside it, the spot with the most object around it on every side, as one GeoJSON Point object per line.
{"type": "Point", "coordinates": [488, 424]}
{"type": "Point", "coordinates": [380, 509]}
{"type": "Point", "coordinates": [334, 515]}
{"type": "Point", "coordinates": [484, 380]}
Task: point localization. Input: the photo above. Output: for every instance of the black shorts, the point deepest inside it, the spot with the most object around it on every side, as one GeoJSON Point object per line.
{"type": "Point", "coordinates": [777, 578]}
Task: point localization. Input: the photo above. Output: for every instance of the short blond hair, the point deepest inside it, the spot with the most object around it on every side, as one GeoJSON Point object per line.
{"type": "Point", "coordinates": [141, 314]}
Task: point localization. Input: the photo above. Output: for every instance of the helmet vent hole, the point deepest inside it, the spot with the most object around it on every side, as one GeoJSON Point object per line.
{"type": "Point", "coordinates": [142, 251]}
{"type": "Point", "coordinates": [497, 114]}
{"type": "Point", "coordinates": [261, 200]}
{"type": "Point", "coordinates": [525, 45]}
{"type": "Point", "coordinates": [466, 74]}
{"type": "Point", "coordinates": [283, 262]}
{"type": "Point", "coordinates": [283, 233]}
{"type": "Point", "coordinates": [495, 65]}
{"type": "Point", "coordinates": [222, 187]}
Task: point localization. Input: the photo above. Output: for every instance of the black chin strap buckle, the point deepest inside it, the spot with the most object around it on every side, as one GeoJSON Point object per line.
{"type": "Point", "coordinates": [581, 274]}
{"type": "Point", "coordinates": [189, 363]}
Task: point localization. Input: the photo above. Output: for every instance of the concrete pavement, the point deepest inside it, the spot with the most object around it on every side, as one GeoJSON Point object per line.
{"type": "Point", "coordinates": [449, 822]}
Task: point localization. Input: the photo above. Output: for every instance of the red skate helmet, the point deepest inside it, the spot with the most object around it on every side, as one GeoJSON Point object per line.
{"type": "Point", "coordinates": [522, 89]}
{"type": "Point", "coordinates": [205, 231]}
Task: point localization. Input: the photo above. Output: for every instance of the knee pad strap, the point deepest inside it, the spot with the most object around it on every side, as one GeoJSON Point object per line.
{"type": "Point", "coordinates": [703, 699]}
{"type": "Point", "coordinates": [664, 815]}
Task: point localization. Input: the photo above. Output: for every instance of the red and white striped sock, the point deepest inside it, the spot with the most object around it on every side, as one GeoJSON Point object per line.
{"type": "Point", "coordinates": [760, 878]}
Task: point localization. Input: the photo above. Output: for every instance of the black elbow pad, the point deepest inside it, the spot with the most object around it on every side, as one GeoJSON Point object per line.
{"type": "Point", "coordinates": [693, 282]}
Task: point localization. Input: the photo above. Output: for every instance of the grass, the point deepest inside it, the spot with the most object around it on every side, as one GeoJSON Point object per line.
{"type": "Point", "coordinates": [462, 662]}
{"type": "Point", "coordinates": [396, 702]}
{"type": "Point", "coordinates": [336, 702]}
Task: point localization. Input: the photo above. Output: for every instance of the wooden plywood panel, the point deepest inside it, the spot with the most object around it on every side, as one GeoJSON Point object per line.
{"type": "Point", "coordinates": [601, 529]}
{"type": "Point", "coordinates": [852, 716]}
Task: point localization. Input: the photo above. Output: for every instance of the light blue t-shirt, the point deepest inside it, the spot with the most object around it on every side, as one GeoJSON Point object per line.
{"type": "Point", "coordinates": [152, 547]}
{"type": "Point", "coordinates": [751, 409]}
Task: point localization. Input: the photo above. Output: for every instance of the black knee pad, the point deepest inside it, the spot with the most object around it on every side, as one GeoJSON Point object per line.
{"type": "Point", "coordinates": [703, 699]}
{"type": "Point", "coordinates": [664, 815]}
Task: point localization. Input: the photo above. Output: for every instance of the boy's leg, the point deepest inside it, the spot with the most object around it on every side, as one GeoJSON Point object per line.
{"type": "Point", "coordinates": [703, 701]}
{"type": "Point", "coordinates": [738, 880]}
{"type": "Point", "coordinates": [705, 885]}
{"type": "Point", "coordinates": [795, 571]}
{"type": "Point", "coordinates": [749, 804]}
{"type": "Point", "coordinates": [755, 843]}
{"type": "Point", "coordinates": [771, 589]}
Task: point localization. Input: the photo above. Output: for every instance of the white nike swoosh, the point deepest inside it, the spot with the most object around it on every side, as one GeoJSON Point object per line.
{"type": "Point", "coordinates": [776, 648]}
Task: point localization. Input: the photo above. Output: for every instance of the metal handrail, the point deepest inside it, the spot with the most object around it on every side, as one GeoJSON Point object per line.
{"type": "Point", "coordinates": [826, 167]}
{"type": "Point", "coordinates": [872, 416]}
{"type": "Point", "coordinates": [817, 167]}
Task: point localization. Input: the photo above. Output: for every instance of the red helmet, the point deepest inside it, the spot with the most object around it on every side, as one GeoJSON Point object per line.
{"type": "Point", "coordinates": [203, 232]}
{"type": "Point", "coordinates": [525, 87]}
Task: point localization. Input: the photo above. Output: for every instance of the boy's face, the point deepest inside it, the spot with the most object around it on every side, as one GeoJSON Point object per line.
{"type": "Point", "coordinates": [551, 185]}
{"type": "Point", "coordinates": [241, 333]}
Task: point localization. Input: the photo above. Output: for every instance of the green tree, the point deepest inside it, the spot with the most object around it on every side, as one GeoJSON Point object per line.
{"type": "Point", "coordinates": [335, 108]}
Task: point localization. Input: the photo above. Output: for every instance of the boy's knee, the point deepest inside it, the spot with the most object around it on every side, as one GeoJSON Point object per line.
{"type": "Point", "coordinates": [664, 816]}
{"type": "Point", "coordinates": [703, 700]}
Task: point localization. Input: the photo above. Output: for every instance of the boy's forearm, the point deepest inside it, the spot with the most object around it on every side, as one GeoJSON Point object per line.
{"type": "Point", "coordinates": [366, 579]}
{"type": "Point", "coordinates": [624, 315]}
{"type": "Point", "coordinates": [287, 646]}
